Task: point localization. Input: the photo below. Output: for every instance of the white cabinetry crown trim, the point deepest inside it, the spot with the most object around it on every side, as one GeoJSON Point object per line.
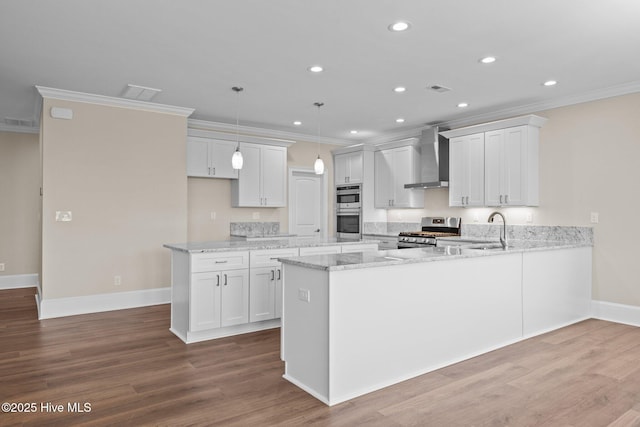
{"type": "Point", "coordinates": [111, 101]}
{"type": "Point", "coordinates": [530, 120]}
{"type": "Point", "coordinates": [212, 134]}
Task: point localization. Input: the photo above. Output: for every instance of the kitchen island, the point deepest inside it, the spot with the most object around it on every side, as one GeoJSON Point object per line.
{"type": "Point", "coordinates": [355, 323]}
{"type": "Point", "coordinates": [222, 288]}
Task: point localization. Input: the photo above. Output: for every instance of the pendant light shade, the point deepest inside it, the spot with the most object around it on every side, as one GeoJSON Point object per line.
{"type": "Point", "coordinates": [318, 166]}
{"type": "Point", "coordinates": [236, 160]}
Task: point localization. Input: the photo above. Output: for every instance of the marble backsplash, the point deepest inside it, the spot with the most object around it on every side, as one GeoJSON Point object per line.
{"type": "Point", "coordinates": [547, 233]}
{"type": "Point", "coordinates": [254, 228]}
{"type": "Point", "coordinates": [492, 231]}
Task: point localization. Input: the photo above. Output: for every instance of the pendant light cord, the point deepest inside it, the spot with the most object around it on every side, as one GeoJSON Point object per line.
{"type": "Point", "coordinates": [318, 104]}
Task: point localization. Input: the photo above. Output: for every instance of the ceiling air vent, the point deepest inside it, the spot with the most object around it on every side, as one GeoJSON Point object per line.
{"type": "Point", "coordinates": [19, 122]}
{"type": "Point", "coordinates": [438, 88]}
{"type": "Point", "coordinates": [140, 93]}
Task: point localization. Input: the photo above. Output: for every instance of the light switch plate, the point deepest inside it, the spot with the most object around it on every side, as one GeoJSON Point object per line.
{"type": "Point", "coordinates": [63, 216]}
{"type": "Point", "coordinates": [304, 295]}
{"type": "Point", "coordinates": [595, 217]}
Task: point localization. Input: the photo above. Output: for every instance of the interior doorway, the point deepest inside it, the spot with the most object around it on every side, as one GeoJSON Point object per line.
{"type": "Point", "coordinates": [308, 201]}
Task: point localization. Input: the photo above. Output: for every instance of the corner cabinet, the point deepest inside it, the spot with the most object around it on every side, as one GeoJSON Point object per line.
{"type": "Point", "coordinates": [348, 168]}
{"type": "Point", "coordinates": [495, 164]}
{"type": "Point", "coordinates": [466, 170]}
{"type": "Point", "coordinates": [395, 167]}
{"type": "Point", "coordinates": [262, 179]}
{"type": "Point", "coordinates": [210, 158]}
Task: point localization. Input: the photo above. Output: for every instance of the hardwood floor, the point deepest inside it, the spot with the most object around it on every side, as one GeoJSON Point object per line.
{"type": "Point", "coordinates": [133, 371]}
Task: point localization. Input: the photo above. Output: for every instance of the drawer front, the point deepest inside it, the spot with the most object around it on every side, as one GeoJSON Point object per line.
{"type": "Point", "coordinates": [269, 257]}
{"type": "Point", "coordinates": [215, 261]}
{"type": "Point", "coordinates": [320, 250]}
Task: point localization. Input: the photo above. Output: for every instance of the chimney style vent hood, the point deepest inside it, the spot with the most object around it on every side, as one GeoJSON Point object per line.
{"type": "Point", "coordinates": [434, 160]}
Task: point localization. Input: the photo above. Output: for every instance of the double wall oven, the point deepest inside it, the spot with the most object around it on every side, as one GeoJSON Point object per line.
{"type": "Point", "coordinates": [349, 212]}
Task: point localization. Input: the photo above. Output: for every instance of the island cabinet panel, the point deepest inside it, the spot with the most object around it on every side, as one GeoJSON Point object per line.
{"type": "Point", "coordinates": [205, 301]}
{"type": "Point", "coordinates": [265, 282]}
{"type": "Point", "coordinates": [556, 288]}
{"type": "Point", "coordinates": [349, 332]}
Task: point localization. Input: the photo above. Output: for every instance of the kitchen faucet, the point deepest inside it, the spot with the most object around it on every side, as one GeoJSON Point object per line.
{"type": "Point", "coordinates": [503, 233]}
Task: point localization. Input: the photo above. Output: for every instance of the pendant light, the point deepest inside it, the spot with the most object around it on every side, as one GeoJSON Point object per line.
{"type": "Point", "coordinates": [318, 166]}
{"type": "Point", "coordinates": [236, 159]}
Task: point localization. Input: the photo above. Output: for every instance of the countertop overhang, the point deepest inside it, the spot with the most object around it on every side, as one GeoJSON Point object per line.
{"type": "Point", "coordinates": [348, 261]}
{"type": "Point", "coordinates": [239, 245]}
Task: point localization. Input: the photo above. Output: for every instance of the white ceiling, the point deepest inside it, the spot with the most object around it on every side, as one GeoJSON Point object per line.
{"type": "Point", "coordinates": [195, 51]}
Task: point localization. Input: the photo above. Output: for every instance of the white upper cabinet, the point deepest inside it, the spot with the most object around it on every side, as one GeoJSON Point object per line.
{"type": "Point", "coordinates": [262, 179]}
{"type": "Point", "coordinates": [348, 168]}
{"type": "Point", "coordinates": [504, 171]}
{"type": "Point", "coordinates": [466, 170]}
{"type": "Point", "coordinates": [395, 167]}
{"type": "Point", "coordinates": [511, 159]}
{"type": "Point", "coordinates": [210, 158]}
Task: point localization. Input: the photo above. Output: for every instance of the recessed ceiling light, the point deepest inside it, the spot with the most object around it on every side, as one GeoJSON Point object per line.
{"type": "Point", "coordinates": [315, 69]}
{"type": "Point", "coordinates": [353, 132]}
{"type": "Point", "coordinates": [399, 89]}
{"type": "Point", "coordinates": [297, 123]}
{"type": "Point", "coordinates": [400, 120]}
{"type": "Point", "coordinates": [463, 105]}
{"type": "Point", "coordinates": [399, 26]}
{"type": "Point", "coordinates": [488, 59]}
{"type": "Point", "coordinates": [550, 83]}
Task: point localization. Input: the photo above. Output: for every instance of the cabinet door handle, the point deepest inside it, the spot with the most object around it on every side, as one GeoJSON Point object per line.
{"type": "Point", "coordinates": [214, 171]}
{"type": "Point", "coordinates": [467, 200]}
{"type": "Point", "coordinates": [265, 201]}
{"type": "Point", "coordinates": [462, 200]}
{"type": "Point", "coordinates": [501, 199]}
{"type": "Point", "coordinates": [273, 275]}
{"type": "Point", "coordinates": [279, 274]}
{"type": "Point", "coordinates": [218, 283]}
{"type": "Point", "coordinates": [208, 170]}
{"type": "Point", "coordinates": [506, 199]}
{"type": "Point", "coordinates": [225, 280]}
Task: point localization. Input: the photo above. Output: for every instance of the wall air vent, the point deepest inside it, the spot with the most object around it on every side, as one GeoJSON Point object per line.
{"type": "Point", "coordinates": [438, 88]}
{"type": "Point", "coordinates": [140, 93]}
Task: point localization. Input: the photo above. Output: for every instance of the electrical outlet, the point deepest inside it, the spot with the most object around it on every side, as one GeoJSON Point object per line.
{"type": "Point", "coordinates": [63, 216]}
{"type": "Point", "coordinates": [2, 266]}
{"type": "Point", "coordinates": [528, 217]}
{"type": "Point", "coordinates": [304, 295]}
{"type": "Point", "coordinates": [476, 218]}
{"type": "Point", "coordinates": [595, 217]}
{"type": "Point", "coordinates": [213, 215]}
{"type": "Point", "coordinates": [117, 280]}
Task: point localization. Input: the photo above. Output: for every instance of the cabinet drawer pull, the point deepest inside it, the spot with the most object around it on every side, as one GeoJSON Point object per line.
{"type": "Point", "coordinates": [279, 274]}
{"type": "Point", "coordinates": [273, 275]}
{"type": "Point", "coordinates": [222, 262]}
{"type": "Point", "coordinates": [225, 280]}
{"type": "Point", "coordinates": [218, 283]}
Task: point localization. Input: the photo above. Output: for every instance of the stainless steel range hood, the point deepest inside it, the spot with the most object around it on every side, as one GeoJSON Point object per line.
{"type": "Point", "coordinates": [434, 160]}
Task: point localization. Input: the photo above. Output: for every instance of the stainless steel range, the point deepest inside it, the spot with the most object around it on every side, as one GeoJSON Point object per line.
{"type": "Point", "coordinates": [432, 228]}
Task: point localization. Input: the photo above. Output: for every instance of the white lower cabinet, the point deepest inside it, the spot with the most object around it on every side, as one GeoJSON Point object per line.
{"type": "Point", "coordinates": [265, 279]}
{"type": "Point", "coordinates": [218, 299]}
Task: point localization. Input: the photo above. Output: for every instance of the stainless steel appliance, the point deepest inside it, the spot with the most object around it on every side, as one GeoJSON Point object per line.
{"type": "Point", "coordinates": [348, 196]}
{"type": "Point", "coordinates": [431, 229]}
{"type": "Point", "coordinates": [348, 212]}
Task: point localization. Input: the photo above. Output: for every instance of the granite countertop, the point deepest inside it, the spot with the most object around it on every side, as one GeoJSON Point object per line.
{"type": "Point", "coordinates": [240, 245]}
{"type": "Point", "coordinates": [258, 235]}
{"type": "Point", "coordinates": [336, 262]}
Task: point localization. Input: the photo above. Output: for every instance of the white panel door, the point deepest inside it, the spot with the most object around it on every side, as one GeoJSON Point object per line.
{"type": "Point", "coordinates": [306, 207]}
{"type": "Point", "coordinates": [274, 166]}
{"type": "Point", "coordinates": [220, 153]}
{"type": "Point", "coordinates": [262, 294]}
{"type": "Point", "coordinates": [198, 157]}
{"type": "Point", "coordinates": [249, 190]}
{"type": "Point", "coordinates": [204, 302]}
{"type": "Point", "coordinates": [234, 308]}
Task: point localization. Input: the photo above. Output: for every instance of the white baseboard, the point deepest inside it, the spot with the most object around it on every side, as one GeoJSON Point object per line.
{"type": "Point", "coordinates": [19, 281]}
{"type": "Point", "coordinates": [60, 307]}
{"type": "Point", "coordinates": [619, 313]}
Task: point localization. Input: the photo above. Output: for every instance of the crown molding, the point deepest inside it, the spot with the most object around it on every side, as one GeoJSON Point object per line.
{"type": "Point", "coordinates": [530, 120]}
{"type": "Point", "coordinates": [594, 95]}
{"type": "Point", "coordinates": [196, 124]}
{"type": "Point", "coordinates": [396, 135]}
{"type": "Point", "coordinates": [89, 98]}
